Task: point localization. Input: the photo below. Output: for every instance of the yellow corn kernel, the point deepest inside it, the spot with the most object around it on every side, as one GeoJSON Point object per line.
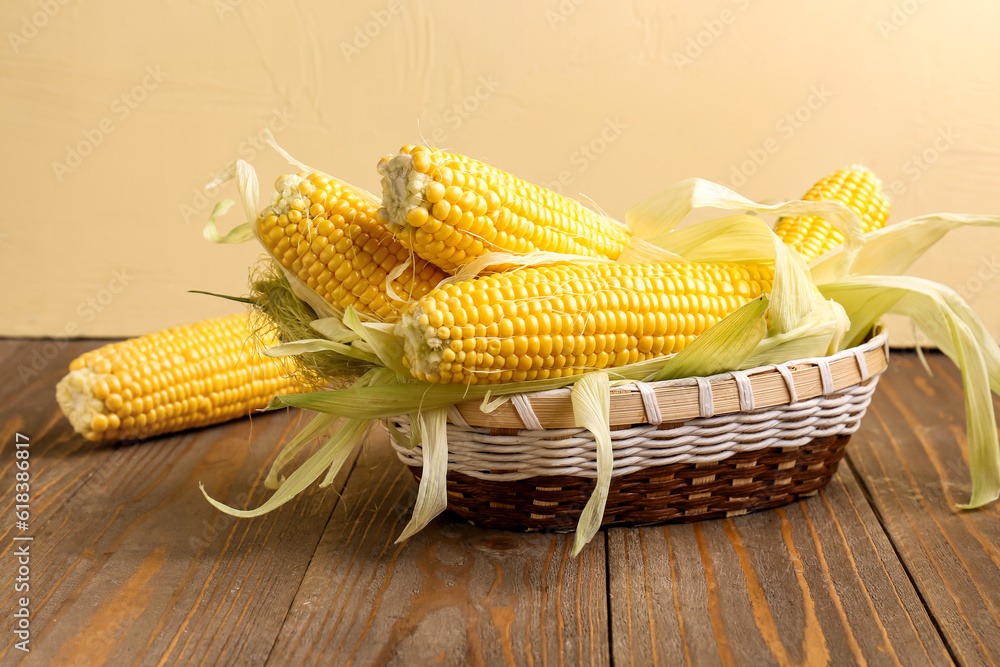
{"type": "Point", "coordinates": [336, 242]}
{"type": "Point", "coordinates": [180, 378]}
{"type": "Point", "coordinates": [479, 209]}
{"type": "Point", "coordinates": [571, 318]}
{"type": "Point", "coordinates": [857, 187]}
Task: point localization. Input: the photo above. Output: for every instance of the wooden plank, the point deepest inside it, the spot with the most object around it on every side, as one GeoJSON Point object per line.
{"type": "Point", "coordinates": [130, 564]}
{"type": "Point", "coordinates": [59, 461]}
{"type": "Point", "coordinates": [813, 583]}
{"type": "Point", "coordinates": [140, 567]}
{"type": "Point", "coordinates": [912, 460]}
{"type": "Point", "coordinates": [453, 594]}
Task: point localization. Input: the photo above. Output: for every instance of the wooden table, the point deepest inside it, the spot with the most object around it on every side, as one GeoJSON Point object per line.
{"type": "Point", "coordinates": [130, 565]}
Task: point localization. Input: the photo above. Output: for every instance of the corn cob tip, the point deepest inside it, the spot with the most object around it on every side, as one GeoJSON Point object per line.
{"type": "Point", "coordinates": [421, 354]}
{"type": "Point", "coordinates": [403, 188]}
{"type": "Point", "coordinates": [88, 415]}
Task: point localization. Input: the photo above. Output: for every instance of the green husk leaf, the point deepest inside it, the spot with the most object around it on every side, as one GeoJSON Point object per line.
{"type": "Point", "coordinates": [246, 184]}
{"type": "Point", "coordinates": [397, 436]}
{"type": "Point", "coordinates": [945, 318]}
{"type": "Point", "coordinates": [415, 438]}
{"type": "Point", "coordinates": [490, 404]}
{"type": "Point", "coordinates": [404, 396]}
{"type": "Point", "coordinates": [385, 344]}
{"type": "Point", "coordinates": [734, 238]}
{"type": "Point", "coordinates": [662, 212]}
{"type": "Point", "coordinates": [345, 437]}
{"type": "Point", "coordinates": [239, 234]}
{"type": "Point", "coordinates": [818, 335]}
{"type": "Point", "coordinates": [227, 297]}
{"type": "Point", "coordinates": [867, 298]}
{"type": "Point", "coordinates": [340, 456]}
{"type": "Point", "coordinates": [793, 295]}
{"type": "Point", "coordinates": [333, 328]}
{"type": "Point", "coordinates": [432, 494]}
{"type": "Point", "coordinates": [725, 346]}
{"type": "Point", "coordinates": [319, 345]}
{"type": "Point", "coordinates": [914, 331]}
{"type": "Point", "coordinates": [312, 430]}
{"type": "Point", "coordinates": [591, 396]}
{"type": "Point", "coordinates": [893, 249]}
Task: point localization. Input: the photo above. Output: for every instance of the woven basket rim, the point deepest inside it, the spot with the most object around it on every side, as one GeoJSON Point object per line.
{"type": "Point", "coordinates": [688, 398]}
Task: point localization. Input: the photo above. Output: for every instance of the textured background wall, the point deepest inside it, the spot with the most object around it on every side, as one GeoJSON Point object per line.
{"type": "Point", "coordinates": [115, 113]}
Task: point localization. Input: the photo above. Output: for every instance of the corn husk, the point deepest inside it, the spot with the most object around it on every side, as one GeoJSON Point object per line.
{"type": "Point", "coordinates": [591, 397]}
{"type": "Point", "coordinates": [432, 493]}
{"type": "Point", "coordinates": [329, 458]}
{"type": "Point", "coordinates": [893, 249]}
{"type": "Point", "coordinates": [945, 318]}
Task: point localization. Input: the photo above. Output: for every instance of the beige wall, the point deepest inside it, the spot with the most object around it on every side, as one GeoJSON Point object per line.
{"type": "Point", "coordinates": [115, 113]}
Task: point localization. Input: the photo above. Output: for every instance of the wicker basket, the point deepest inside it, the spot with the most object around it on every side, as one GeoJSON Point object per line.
{"type": "Point", "coordinates": [684, 450]}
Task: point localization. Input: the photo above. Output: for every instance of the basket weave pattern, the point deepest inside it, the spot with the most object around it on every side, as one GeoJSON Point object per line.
{"type": "Point", "coordinates": [681, 492]}
{"type": "Point", "coordinates": [714, 465]}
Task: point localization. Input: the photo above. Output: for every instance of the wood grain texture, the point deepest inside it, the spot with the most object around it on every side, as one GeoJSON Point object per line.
{"type": "Point", "coordinates": [453, 594]}
{"type": "Point", "coordinates": [31, 370]}
{"type": "Point", "coordinates": [912, 459]}
{"type": "Point", "coordinates": [813, 583]}
{"type": "Point", "coordinates": [680, 403]}
{"type": "Point", "coordinates": [130, 564]}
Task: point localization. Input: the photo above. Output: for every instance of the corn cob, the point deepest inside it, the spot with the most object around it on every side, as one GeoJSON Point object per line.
{"type": "Point", "coordinates": [181, 378]}
{"type": "Point", "coordinates": [553, 321]}
{"type": "Point", "coordinates": [451, 209]}
{"type": "Point", "coordinates": [325, 232]}
{"type": "Point", "coordinates": [857, 187]}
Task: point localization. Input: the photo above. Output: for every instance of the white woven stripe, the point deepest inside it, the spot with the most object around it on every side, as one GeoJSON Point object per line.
{"type": "Point", "coordinates": [706, 402]}
{"type": "Point", "coordinates": [650, 403]}
{"type": "Point", "coordinates": [825, 376]}
{"type": "Point", "coordinates": [859, 356]}
{"type": "Point", "coordinates": [526, 412]}
{"type": "Point", "coordinates": [786, 374]}
{"type": "Point", "coordinates": [534, 452]}
{"type": "Point", "coordinates": [745, 390]}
